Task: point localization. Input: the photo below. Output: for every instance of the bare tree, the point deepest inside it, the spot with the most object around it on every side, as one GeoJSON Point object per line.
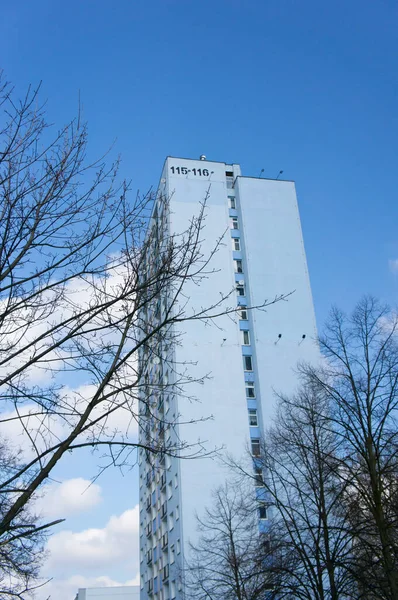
{"type": "Point", "coordinates": [329, 464]}
{"type": "Point", "coordinates": [360, 380]}
{"type": "Point", "coordinates": [22, 547]}
{"type": "Point", "coordinates": [309, 528]}
{"type": "Point", "coordinates": [231, 558]}
{"type": "Point", "coordinates": [82, 306]}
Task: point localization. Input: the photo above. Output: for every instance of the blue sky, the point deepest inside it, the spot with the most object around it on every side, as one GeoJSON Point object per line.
{"type": "Point", "coordinates": [307, 87]}
{"type": "Point", "coordinates": [304, 86]}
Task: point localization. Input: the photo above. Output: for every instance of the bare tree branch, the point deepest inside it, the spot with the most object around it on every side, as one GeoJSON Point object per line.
{"type": "Point", "coordinates": [92, 285]}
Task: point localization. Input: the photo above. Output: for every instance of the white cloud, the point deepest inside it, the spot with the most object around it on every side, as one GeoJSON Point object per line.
{"type": "Point", "coordinates": [122, 420]}
{"type": "Point", "coordinates": [29, 431]}
{"type": "Point", "coordinates": [393, 265]}
{"type": "Point", "coordinates": [78, 295]}
{"type": "Point", "coordinates": [96, 548]}
{"type": "Point", "coordinates": [66, 589]}
{"type": "Point", "coordinates": [389, 323]}
{"type": "Point", "coordinates": [32, 432]}
{"type": "Point", "coordinates": [94, 557]}
{"type": "Point", "coordinates": [69, 497]}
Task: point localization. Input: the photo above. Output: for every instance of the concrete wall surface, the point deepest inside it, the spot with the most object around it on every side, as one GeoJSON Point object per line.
{"type": "Point", "coordinates": [125, 592]}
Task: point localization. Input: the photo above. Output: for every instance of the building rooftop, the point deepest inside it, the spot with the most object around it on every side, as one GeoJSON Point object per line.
{"type": "Point", "coordinates": [125, 592]}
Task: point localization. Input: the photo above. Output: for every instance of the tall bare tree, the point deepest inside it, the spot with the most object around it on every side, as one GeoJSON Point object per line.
{"type": "Point", "coordinates": [231, 558]}
{"type": "Point", "coordinates": [83, 304]}
{"type": "Point", "coordinates": [330, 464]}
{"type": "Point", "coordinates": [305, 493]}
{"type": "Point", "coordinates": [360, 379]}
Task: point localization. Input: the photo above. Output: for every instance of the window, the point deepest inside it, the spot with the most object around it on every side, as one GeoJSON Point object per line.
{"type": "Point", "coordinates": [236, 244]}
{"type": "Point", "coordinates": [250, 393]}
{"type": "Point", "coordinates": [177, 511]}
{"type": "Point", "coordinates": [171, 521]}
{"type": "Point", "coordinates": [173, 590]}
{"type": "Point", "coordinates": [242, 314]}
{"type": "Point", "coordinates": [262, 511]}
{"type": "Point", "coordinates": [248, 363]}
{"type": "Point", "coordinates": [267, 545]}
{"type": "Point", "coordinates": [258, 476]}
{"type": "Point", "coordinates": [178, 546]}
{"type": "Point", "coordinates": [232, 202]}
{"type": "Point", "coordinates": [229, 175]}
{"type": "Point", "coordinates": [253, 421]}
{"type": "Point", "coordinates": [172, 553]}
{"type": "Point", "coordinates": [238, 266]}
{"type": "Point", "coordinates": [234, 223]}
{"type": "Point", "coordinates": [245, 338]}
{"type": "Point", "coordinates": [255, 443]}
{"type": "Point", "coordinates": [240, 289]}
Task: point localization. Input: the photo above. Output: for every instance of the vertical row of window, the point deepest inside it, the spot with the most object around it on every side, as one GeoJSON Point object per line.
{"type": "Point", "coordinates": [157, 524]}
{"type": "Point", "coordinates": [158, 516]}
{"type": "Point", "coordinates": [248, 363]}
{"type": "Point", "coordinates": [242, 311]}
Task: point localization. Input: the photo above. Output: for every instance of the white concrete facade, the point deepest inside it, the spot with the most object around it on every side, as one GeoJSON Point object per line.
{"type": "Point", "coordinates": [262, 255]}
{"type": "Point", "coordinates": [126, 592]}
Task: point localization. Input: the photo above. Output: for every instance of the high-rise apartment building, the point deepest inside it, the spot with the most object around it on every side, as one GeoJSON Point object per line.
{"type": "Point", "coordinates": [248, 355]}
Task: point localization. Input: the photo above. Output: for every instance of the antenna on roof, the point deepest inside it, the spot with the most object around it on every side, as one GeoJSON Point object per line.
{"type": "Point", "coordinates": [261, 172]}
{"type": "Point", "coordinates": [280, 173]}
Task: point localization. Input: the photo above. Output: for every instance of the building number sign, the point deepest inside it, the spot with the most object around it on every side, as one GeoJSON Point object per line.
{"type": "Point", "coordinates": [185, 171]}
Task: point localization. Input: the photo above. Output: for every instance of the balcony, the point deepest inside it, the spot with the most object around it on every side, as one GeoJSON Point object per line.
{"type": "Point", "coordinates": [230, 181]}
